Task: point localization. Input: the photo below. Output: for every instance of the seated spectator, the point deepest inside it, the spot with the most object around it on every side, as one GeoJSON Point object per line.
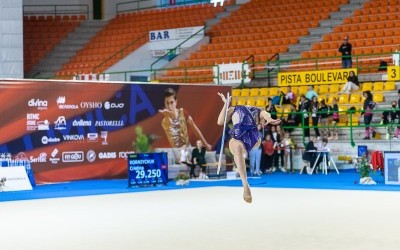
{"type": "Point", "coordinates": [289, 97]}
{"type": "Point", "coordinates": [270, 108]}
{"type": "Point", "coordinates": [311, 93]}
{"type": "Point", "coordinates": [352, 84]}
{"type": "Point", "coordinates": [292, 119]}
{"type": "Point", "coordinates": [382, 65]}
{"type": "Point", "coordinates": [310, 153]}
{"type": "Point", "coordinates": [199, 159]}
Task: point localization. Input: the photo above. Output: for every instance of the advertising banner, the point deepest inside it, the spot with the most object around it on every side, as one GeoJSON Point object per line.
{"type": "Point", "coordinates": [161, 41]}
{"type": "Point", "coordinates": [231, 73]}
{"type": "Point", "coordinates": [71, 130]}
{"type": "Point", "coordinates": [334, 76]}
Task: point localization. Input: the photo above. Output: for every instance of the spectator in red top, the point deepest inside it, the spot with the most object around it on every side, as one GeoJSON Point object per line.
{"type": "Point", "coordinates": [268, 152]}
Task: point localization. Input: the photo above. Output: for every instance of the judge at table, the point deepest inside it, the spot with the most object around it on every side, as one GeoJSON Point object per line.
{"type": "Point", "coordinates": [310, 153]}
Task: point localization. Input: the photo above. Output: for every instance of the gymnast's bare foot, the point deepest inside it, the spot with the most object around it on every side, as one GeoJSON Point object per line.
{"type": "Point", "coordinates": [247, 194]}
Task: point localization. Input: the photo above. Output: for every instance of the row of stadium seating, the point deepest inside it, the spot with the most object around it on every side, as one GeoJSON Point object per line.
{"type": "Point", "coordinates": [130, 31]}
{"type": "Point", "coordinates": [321, 89]}
{"type": "Point", "coordinates": [42, 33]}
{"type": "Point", "coordinates": [256, 28]}
{"type": "Point", "coordinates": [354, 98]}
{"type": "Point", "coordinates": [371, 30]}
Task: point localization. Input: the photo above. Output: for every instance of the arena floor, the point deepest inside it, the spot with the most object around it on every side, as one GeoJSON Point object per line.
{"type": "Point", "coordinates": [206, 218]}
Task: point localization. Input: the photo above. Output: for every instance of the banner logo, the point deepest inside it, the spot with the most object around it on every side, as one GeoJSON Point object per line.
{"type": "Point", "coordinates": [91, 156]}
{"type": "Point", "coordinates": [113, 105]}
{"type": "Point", "coordinates": [31, 120]}
{"type": "Point", "coordinates": [41, 158]}
{"type": "Point", "coordinates": [73, 137]}
{"type": "Point", "coordinates": [53, 159]}
{"type": "Point", "coordinates": [46, 140]}
{"type": "Point", "coordinates": [43, 125]}
{"type": "Point", "coordinates": [60, 123]}
{"type": "Point", "coordinates": [81, 123]}
{"type": "Point", "coordinates": [72, 156]}
{"type": "Point", "coordinates": [92, 137]}
{"type": "Point", "coordinates": [107, 155]}
{"type": "Point", "coordinates": [39, 104]}
{"type": "Point", "coordinates": [61, 104]}
{"type": "Point", "coordinates": [104, 136]}
{"type": "Point", "coordinates": [91, 105]}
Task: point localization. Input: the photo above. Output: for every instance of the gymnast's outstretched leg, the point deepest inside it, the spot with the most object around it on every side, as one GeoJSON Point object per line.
{"type": "Point", "coordinates": [239, 152]}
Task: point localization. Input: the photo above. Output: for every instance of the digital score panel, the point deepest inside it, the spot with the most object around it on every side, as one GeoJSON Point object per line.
{"type": "Point", "coordinates": [145, 169]}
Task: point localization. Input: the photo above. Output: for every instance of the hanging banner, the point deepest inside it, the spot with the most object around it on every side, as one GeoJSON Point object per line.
{"type": "Point", "coordinates": [334, 76]}
{"type": "Point", "coordinates": [71, 130]}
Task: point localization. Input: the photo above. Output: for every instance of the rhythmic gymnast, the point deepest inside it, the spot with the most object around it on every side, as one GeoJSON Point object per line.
{"type": "Point", "coordinates": [245, 134]}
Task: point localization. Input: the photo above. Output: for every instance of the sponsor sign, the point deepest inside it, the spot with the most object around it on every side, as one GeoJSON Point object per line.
{"type": "Point", "coordinates": [38, 103]}
{"type": "Point", "coordinates": [15, 179]}
{"type": "Point", "coordinates": [314, 77]}
{"type": "Point", "coordinates": [72, 156]}
{"type": "Point", "coordinates": [231, 73]}
{"type": "Point", "coordinates": [162, 41]}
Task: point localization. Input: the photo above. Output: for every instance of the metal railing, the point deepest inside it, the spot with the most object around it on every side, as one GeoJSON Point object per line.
{"type": "Point", "coordinates": [349, 114]}
{"type": "Point", "coordinates": [172, 52]}
{"type": "Point", "coordinates": [56, 10]}
{"type": "Point", "coordinates": [148, 4]}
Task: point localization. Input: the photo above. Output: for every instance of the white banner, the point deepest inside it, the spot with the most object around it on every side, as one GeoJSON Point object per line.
{"type": "Point", "coordinates": [161, 41]}
{"type": "Point", "coordinates": [14, 178]}
{"type": "Point", "coordinates": [231, 73]}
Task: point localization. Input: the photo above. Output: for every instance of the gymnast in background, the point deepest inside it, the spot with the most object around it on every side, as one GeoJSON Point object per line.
{"type": "Point", "coordinates": [245, 134]}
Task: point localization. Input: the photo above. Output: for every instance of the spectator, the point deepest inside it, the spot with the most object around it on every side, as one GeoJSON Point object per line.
{"type": "Point", "coordinates": [311, 93]}
{"type": "Point", "coordinates": [199, 159]}
{"type": "Point", "coordinates": [184, 159]}
{"type": "Point", "coordinates": [292, 119]}
{"type": "Point", "coordinates": [391, 118]}
{"type": "Point", "coordinates": [398, 116]}
{"type": "Point", "coordinates": [268, 153]}
{"type": "Point", "coordinates": [310, 153]}
{"type": "Point", "coordinates": [368, 106]}
{"type": "Point", "coordinates": [324, 112]}
{"type": "Point", "coordinates": [280, 150]}
{"type": "Point", "coordinates": [289, 97]}
{"type": "Point", "coordinates": [255, 157]}
{"type": "Point", "coordinates": [325, 151]}
{"type": "Point", "coordinates": [382, 65]}
{"type": "Point", "coordinates": [345, 49]}
{"type": "Point", "coordinates": [287, 144]}
{"type": "Point", "coordinates": [335, 120]}
{"type": "Point", "coordinates": [270, 108]}
{"type": "Point", "coordinates": [304, 107]}
{"type": "Point", "coordinates": [315, 116]}
{"type": "Point", "coordinates": [276, 138]}
{"type": "Point", "coordinates": [351, 84]}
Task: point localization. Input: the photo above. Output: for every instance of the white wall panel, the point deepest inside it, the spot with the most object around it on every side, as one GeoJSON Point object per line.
{"type": "Point", "coordinates": [11, 39]}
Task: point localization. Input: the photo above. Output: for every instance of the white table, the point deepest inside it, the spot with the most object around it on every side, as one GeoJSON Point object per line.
{"type": "Point", "coordinates": [324, 154]}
